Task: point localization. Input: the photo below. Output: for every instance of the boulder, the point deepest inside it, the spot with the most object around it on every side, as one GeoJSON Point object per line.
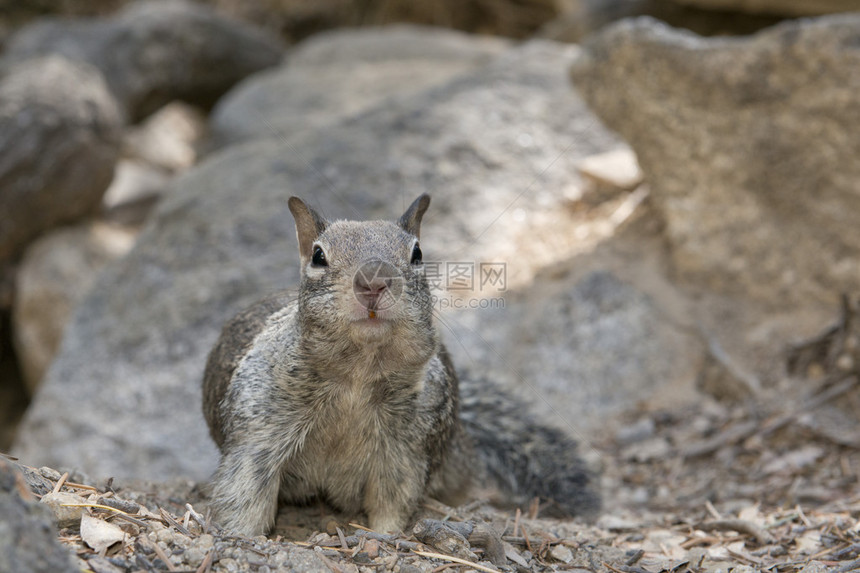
{"type": "Point", "coordinates": [580, 348]}
{"type": "Point", "coordinates": [58, 147]}
{"type": "Point", "coordinates": [28, 535]}
{"type": "Point", "coordinates": [155, 51]}
{"type": "Point", "coordinates": [497, 148]}
{"type": "Point", "coordinates": [298, 19]}
{"type": "Point", "coordinates": [788, 8]}
{"type": "Point", "coordinates": [168, 138]}
{"type": "Point", "coordinates": [750, 148]}
{"type": "Point", "coordinates": [55, 273]}
{"type": "Point", "coordinates": [341, 73]}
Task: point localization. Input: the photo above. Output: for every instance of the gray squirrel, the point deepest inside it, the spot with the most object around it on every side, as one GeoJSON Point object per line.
{"type": "Point", "coordinates": [346, 393]}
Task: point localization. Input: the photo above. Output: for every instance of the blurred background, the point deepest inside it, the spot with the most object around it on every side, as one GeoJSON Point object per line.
{"type": "Point", "coordinates": [672, 188]}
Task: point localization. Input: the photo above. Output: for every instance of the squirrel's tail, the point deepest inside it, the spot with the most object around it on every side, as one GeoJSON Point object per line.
{"type": "Point", "coordinates": [523, 457]}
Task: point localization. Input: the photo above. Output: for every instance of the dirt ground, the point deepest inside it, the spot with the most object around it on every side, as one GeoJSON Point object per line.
{"type": "Point", "coordinates": [706, 488]}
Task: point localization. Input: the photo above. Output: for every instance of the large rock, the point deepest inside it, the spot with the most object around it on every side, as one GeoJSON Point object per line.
{"type": "Point", "coordinates": [498, 150]}
{"type": "Point", "coordinates": [58, 147]}
{"type": "Point", "coordinates": [28, 536]}
{"type": "Point", "coordinates": [56, 273]}
{"type": "Point", "coordinates": [298, 19]}
{"type": "Point", "coordinates": [155, 51]}
{"type": "Point", "coordinates": [750, 147]}
{"type": "Point", "coordinates": [789, 8]}
{"type": "Point", "coordinates": [342, 73]}
{"type": "Point", "coordinates": [580, 347]}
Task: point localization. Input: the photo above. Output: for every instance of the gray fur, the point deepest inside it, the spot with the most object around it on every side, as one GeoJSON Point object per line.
{"type": "Point", "coordinates": [335, 395]}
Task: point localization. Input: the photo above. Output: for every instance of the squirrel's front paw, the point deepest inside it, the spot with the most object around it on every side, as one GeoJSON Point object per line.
{"type": "Point", "coordinates": [388, 521]}
{"type": "Point", "coordinates": [245, 501]}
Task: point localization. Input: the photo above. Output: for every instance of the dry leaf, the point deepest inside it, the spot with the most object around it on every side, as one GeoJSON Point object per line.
{"type": "Point", "coordinates": [99, 534]}
{"type": "Point", "coordinates": [752, 514]}
{"type": "Point", "coordinates": [809, 542]}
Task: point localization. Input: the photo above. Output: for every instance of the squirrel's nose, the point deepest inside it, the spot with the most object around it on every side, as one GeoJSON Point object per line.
{"type": "Point", "coordinates": [373, 281]}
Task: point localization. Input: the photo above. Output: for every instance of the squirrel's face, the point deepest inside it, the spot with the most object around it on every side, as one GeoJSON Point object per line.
{"type": "Point", "coordinates": [363, 279]}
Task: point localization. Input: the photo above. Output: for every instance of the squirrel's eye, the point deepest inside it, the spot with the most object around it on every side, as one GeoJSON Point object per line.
{"type": "Point", "coordinates": [318, 259]}
{"type": "Point", "coordinates": [416, 254]}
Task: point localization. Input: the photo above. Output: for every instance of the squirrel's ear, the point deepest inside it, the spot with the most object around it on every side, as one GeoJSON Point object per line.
{"type": "Point", "coordinates": [309, 226]}
{"type": "Point", "coordinates": [411, 219]}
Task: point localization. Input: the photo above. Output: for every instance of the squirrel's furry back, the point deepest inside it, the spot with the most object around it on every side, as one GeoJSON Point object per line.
{"type": "Point", "coordinates": [522, 457]}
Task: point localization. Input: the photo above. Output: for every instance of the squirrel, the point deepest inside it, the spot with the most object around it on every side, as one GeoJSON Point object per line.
{"type": "Point", "coordinates": [347, 394]}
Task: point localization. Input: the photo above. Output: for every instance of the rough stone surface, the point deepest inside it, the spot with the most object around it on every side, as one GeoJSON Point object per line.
{"type": "Point", "coordinates": [580, 349]}
{"type": "Point", "coordinates": [496, 149]}
{"type": "Point", "coordinates": [56, 272]}
{"type": "Point", "coordinates": [66, 507]}
{"type": "Point", "coordinates": [341, 73]}
{"type": "Point", "coordinates": [750, 147]}
{"type": "Point", "coordinates": [168, 138]}
{"type": "Point", "coordinates": [136, 188]}
{"type": "Point", "coordinates": [28, 537]}
{"type": "Point", "coordinates": [789, 8]}
{"type": "Point", "coordinates": [153, 52]}
{"type": "Point", "coordinates": [58, 147]}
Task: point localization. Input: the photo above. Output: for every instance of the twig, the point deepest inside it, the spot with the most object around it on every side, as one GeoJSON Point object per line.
{"type": "Point", "coordinates": [341, 537]}
{"type": "Point", "coordinates": [850, 566]}
{"type": "Point", "coordinates": [635, 558]}
{"type": "Point", "coordinates": [206, 565]}
{"type": "Point", "coordinates": [802, 516]}
{"type": "Point", "coordinates": [329, 563]}
{"type": "Point", "coordinates": [455, 560]}
{"type": "Point", "coordinates": [740, 525]}
{"type": "Point", "coordinates": [615, 569]}
{"type": "Point", "coordinates": [814, 402]}
{"type": "Point", "coordinates": [161, 554]}
{"type": "Point", "coordinates": [170, 521]}
{"type": "Point", "coordinates": [731, 435]}
{"type": "Point", "coordinates": [197, 517]}
{"type": "Point", "coordinates": [712, 510]}
{"type": "Point", "coordinates": [446, 566]}
{"type": "Point", "coordinates": [60, 482]}
{"type": "Point", "coordinates": [80, 486]}
{"type": "Point", "coordinates": [96, 505]}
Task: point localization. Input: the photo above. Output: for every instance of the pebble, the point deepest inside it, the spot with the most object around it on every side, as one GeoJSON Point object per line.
{"type": "Point", "coordinates": [204, 542]}
{"type": "Point", "coordinates": [330, 526]}
{"type": "Point", "coordinates": [165, 536]}
{"type": "Point", "coordinates": [371, 548]}
{"type": "Point", "coordinates": [50, 473]}
{"type": "Point", "coordinates": [66, 516]}
{"type": "Point", "coordinates": [561, 553]}
{"type": "Point", "coordinates": [618, 168]}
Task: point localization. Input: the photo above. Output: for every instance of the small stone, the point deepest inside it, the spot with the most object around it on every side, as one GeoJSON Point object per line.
{"type": "Point", "coordinates": [561, 553]}
{"type": "Point", "coordinates": [165, 536]}
{"type": "Point", "coordinates": [636, 432]}
{"type": "Point", "coordinates": [228, 564]}
{"type": "Point", "coordinates": [618, 168]}
{"type": "Point", "coordinates": [167, 138]}
{"type": "Point", "coordinates": [61, 504]}
{"type": "Point", "coordinates": [371, 548]}
{"type": "Point", "coordinates": [330, 526]}
{"type": "Point", "coordinates": [845, 363]}
{"type": "Point", "coordinates": [50, 473]}
{"type": "Point", "coordinates": [193, 556]}
{"type": "Point", "coordinates": [204, 542]}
